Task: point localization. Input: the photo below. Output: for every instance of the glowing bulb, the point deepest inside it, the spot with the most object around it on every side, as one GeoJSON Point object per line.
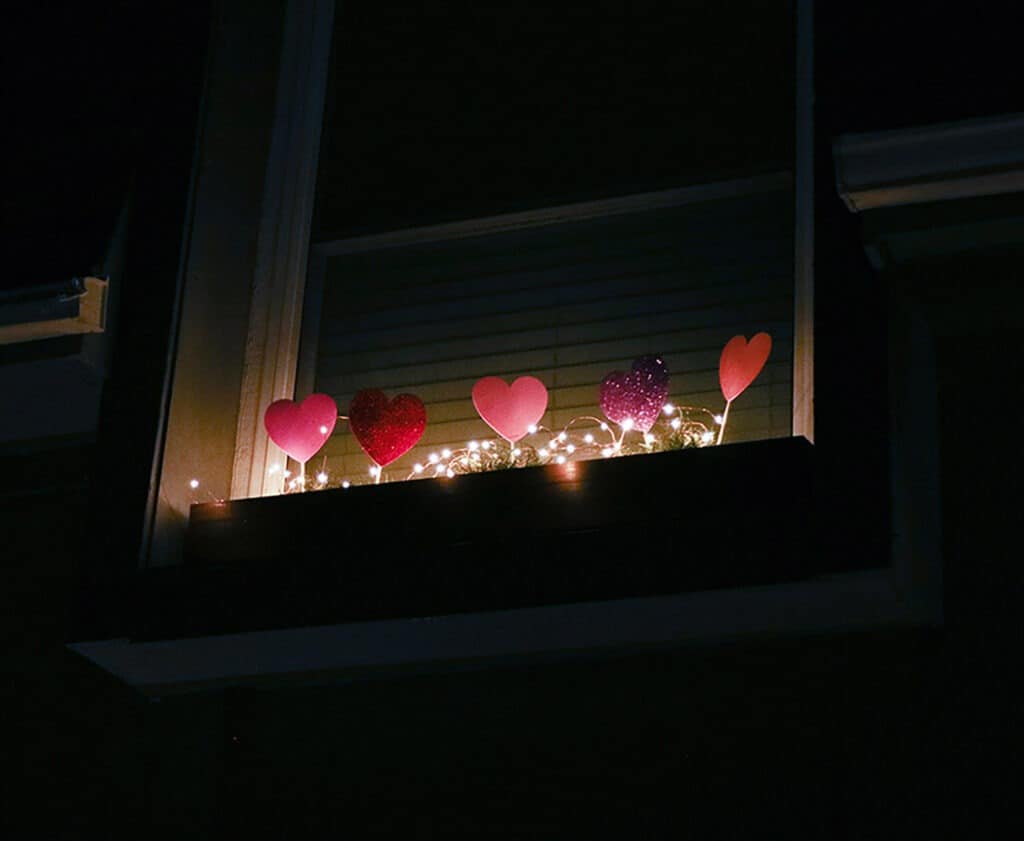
{"type": "Point", "coordinates": [719, 419]}
{"type": "Point", "coordinates": [676, 423]}
{"type": "Point", "coordinates": [417, 468]}
{"type": "Point", "coordinates": [433, 458]}
{"type": "Point", "coordinates": [588, 438]}
{"type": "Point", "coordinates": [293, 484]}
{"type": "Point", "coordinates": [287, 474]}
{"type": "Point", "coordinates": [274, 468]}
{"type": "Point", "coordinates": [346, 484]}
{"type": "Point", "coordinates": [438, 469]}
{"type": "Point", "coordinates": [473, 446]}
{"type": "Point", "coordinates": [321, 477]}
{"type": "Point", "coordinates": [532, 429]}
{"type": "Point", "coordinates": [560, 459]}
{"type": "Point", "coordinates": [570, 449]}
{"type": "Point", "coordinates": [607, 451]}
{"type": "Point", "coordinates": [543, 453]}
{"type": "Point", "coordinates": [486, 445]}
{"type": "Point", "coordinates": [450, 473]}
{"type": "Point", "coordinates": [627, 424]}
{"type": "Point", "coordinates": [604, 427]}
{"type": "Point", "coordinates": [562, 436]}
{"type": "Point", "coordinates": [708, 437]}
{"type": "Point", "coordinates": [374, 470]}
{"type": "Point", "coordinates": [668, 408]}
{"type": "Point", "coordinates": [517, 452]}
{"type": "Point", "coordinates": [194, 483]}
{"type": "Point", "coordinates": [446, 453]}
{"type": "Point", "coordinates": [648, 438]}
{"type": "Point", "coordinates": [323, 430]}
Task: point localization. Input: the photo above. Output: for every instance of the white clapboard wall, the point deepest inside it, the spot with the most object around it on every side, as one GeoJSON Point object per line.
{"type": "Point", "coordinates": [566, 302]}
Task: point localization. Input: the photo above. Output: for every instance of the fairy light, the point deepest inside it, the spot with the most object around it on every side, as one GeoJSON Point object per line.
{"type": "Point", "coordinates": [678, 427]}
{"type": "Point", "coordinates": [193, 483]}
{"type": "Point", "coordinates": [323, 430]}
{"type": "Point", "coordinates": [274, 468]}
{"type": "Point", "coordinates": [287, 474]}
{"type": "Point", "coordinates": [346, 484]}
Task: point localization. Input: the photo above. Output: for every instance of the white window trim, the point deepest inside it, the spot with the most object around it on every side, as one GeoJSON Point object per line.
{"type": "Point", "coordinates": [276, 305]}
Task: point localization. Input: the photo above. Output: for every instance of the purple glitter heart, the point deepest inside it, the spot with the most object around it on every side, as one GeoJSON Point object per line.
{"type": "Point", "coordinates": [637, 396]}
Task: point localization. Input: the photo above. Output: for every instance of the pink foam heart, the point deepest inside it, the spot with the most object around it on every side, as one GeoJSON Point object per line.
{"type": "Point", "coordinates": [510, 410]}
{"type": "Point", "coordinates": [741, 362]}
{"type": "Point", "coordinates": [301, 429]}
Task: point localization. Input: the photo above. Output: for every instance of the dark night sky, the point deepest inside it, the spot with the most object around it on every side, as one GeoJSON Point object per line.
{"type": "Point", "coordinates": [90, 88]}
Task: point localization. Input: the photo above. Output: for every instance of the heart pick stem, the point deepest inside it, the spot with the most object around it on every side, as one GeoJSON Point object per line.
{"type": "Point", "coordinates": [725, 417]}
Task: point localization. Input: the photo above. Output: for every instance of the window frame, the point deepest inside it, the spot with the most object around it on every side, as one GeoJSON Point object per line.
{"type": "Point", "coordinates": [287, 271]}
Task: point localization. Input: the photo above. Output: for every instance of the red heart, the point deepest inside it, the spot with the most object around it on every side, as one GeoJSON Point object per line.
{"type": "Point", "coordinates": [741, 363]}
{"type": "Point", "coordinates": [510, 410]}
{"type": "Point", "coordinates": [300, 429]}
{"type": "Point", "coordinates": [386, 430]}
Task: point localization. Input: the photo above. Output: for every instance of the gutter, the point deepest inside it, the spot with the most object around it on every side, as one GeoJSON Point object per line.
{"type": "Point", "coordinates": [966, 159]}
{"type": "Point", "coordinates": [76, 307]}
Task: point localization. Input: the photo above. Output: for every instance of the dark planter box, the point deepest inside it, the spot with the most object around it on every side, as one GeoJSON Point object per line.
{"type": "Point", "coordinates": [720, 517]}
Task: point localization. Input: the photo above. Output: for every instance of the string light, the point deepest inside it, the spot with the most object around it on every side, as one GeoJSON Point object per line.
{"type": "Point", "coordinates": [193, 483]}
{"type": "Point", "coordinates": [583, 437]}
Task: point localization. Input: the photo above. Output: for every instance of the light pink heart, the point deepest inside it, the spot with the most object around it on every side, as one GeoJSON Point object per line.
{"type": "Point", "coordinates": [301, 429]}
{"type": "Point", "coordinates": [510, 410]}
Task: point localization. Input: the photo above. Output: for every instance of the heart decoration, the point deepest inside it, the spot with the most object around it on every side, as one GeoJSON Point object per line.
{"type": "Point", "coordinates": [300, 429]}
{"type": "Point", "coordinates": [637, 396]}
{"type": "Point", "coordinates": [510, 410]}
{"type": "Point", "coordinates": [386, 430]}
{"type": "Point", "coordinates": [741, 362]}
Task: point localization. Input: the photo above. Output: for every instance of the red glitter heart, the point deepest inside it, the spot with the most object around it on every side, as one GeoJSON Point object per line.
{"type": "Point", "coordinates": [741, 363]}
{"type": "Point", "coordinates": [300, 429]}
{"type": "Point", "coordinates": [386, 430]}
